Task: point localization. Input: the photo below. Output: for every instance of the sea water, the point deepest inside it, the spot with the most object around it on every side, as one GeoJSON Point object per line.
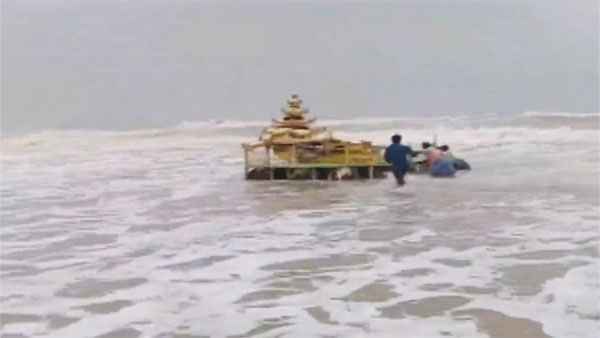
{"type": "Point", "coordinates": [154, 233]}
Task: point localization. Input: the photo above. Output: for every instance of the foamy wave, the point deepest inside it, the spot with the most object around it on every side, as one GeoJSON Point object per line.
{"type": "Point", "coordinates": [154, 232]}
{"type": "Point", "coordinates": [399, 119]}
{"type": "Point", "coordinates": [560, 114]}
{"type": "Point", "coordinates": [478, 137]}
{"type": "Point", "coordinates": [335, 123]}
{"type": "Point", "coordinates": [376, 130]}
{"type": "Point", "coordinates": [220, 124]}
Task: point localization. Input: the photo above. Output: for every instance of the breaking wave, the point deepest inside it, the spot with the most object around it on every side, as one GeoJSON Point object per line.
{"type": "Point", "coordinates": [459, 131]}
{"type": "Point", "coordinates": [154, 233]}
{"type": "Point", "coordinates": [561, 114]}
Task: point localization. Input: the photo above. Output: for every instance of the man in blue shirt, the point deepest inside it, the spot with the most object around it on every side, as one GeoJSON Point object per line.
{"type": "Point", "coordinates": [398, 155]}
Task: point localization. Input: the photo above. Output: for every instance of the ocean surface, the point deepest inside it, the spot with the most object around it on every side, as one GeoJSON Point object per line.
{"type": "Point", "coordinates": [154, 233]}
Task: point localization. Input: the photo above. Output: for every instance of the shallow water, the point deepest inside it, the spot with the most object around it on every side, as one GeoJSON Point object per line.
{"type": "Point", "coordinates": [156, 234]}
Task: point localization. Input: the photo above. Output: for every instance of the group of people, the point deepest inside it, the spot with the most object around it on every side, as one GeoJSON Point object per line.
{"type": "Point", "coordinates": [439, 161]}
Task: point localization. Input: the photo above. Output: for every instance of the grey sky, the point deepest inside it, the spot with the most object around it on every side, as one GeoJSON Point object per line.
{"type": "Point", "coordinates": [134, 64]}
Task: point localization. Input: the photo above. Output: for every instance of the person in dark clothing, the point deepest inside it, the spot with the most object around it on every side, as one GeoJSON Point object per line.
{"type": "Point", "coordinates": [446, 152]}
{"type": "Point", "coordinates": [398, 156]}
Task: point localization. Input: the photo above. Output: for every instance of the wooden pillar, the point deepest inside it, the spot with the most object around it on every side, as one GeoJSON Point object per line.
{"type": "Point", "coordinates": [245, 163]}
{"type": "Point", "coordinates": [313, 173]}
{"type": "Point", "coordinates": [268, 149]}
{"type": "Point", "coordinates": [293, 155]}
{"type": "Point", "coordinates": [371, 167]}
{"type": "Point", "coordinates": [346, 159]}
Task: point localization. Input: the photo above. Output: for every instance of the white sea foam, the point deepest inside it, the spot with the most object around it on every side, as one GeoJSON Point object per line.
{"type": "Point", "coordinates": [561, 114]}
{"type": "Point", "coordinates": [157, 232]}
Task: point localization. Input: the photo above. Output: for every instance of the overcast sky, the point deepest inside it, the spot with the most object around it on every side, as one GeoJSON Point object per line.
{"type": "Point", "coordinates": [138, 64]}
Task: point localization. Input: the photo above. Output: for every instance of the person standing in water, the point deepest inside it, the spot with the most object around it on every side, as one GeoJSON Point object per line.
{"type": "Point", "coordinates": [446, 152]}
{"type": "Point", "coordinates": [398, 156]}
{"type": "Point", "coordinates": [431, 152]}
